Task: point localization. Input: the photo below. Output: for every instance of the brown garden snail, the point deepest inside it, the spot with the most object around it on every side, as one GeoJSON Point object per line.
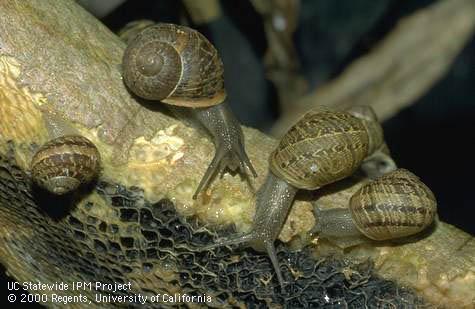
{"type": "Point", "coordinates": [395, 205]}
{"type": "Point", "coordinates": [322, 147]}
{"type": "Point", "coordinates": [64, 163]}
{"type": "Point", "coordinates": [179, 66]}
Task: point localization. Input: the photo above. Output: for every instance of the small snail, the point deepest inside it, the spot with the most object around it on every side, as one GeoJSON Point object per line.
{"type": "Point", "coordinates": [395, 205]}
{"type": "Point", "coordinates": [179, 66]}
{"type": "Point", "coordinates": [64, 163]}
{"type": "Point", "coordinates": [323, 147]}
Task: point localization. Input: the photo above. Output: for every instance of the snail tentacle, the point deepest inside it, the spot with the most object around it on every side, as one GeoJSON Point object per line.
{"type": "Point", "coordinates": [228, 139]}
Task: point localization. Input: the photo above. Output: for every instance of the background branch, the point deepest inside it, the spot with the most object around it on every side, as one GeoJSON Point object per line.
{"type": "Point", "coordinates": [400, 69]}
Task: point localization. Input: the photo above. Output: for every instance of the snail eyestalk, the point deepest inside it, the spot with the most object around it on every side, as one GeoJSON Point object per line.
{"type": "Point", "coordinates": [228, 138]}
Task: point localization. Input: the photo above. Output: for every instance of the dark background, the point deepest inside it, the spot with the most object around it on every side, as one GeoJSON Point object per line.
{"type": "Point", "coordinates": [434, 138]}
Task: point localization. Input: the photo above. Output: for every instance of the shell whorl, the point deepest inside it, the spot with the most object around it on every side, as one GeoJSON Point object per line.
{"type": "Point", "coordinates": [395, 205]}
{"type": "Point", "coordinates": [321, 148]}
{"type": "Point", "coordinates": [176, 65]}
{"type": "Point", "coordinates": [64, 163]}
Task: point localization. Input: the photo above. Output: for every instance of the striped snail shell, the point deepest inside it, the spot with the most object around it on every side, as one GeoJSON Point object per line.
{"type": "Point", "coordinates": [325, 146]}
{"type": "Point", "coordinates": [395, 205]}
{"type": "Point", "coordinates": [64, 163]}
{"type": "Point", "coordinates": [176, 65]}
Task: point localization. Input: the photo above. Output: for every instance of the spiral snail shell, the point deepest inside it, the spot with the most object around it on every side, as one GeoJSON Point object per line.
{"type": "Point", "coordinates": [175, 65]}
{"type": "Point", "coordinates": [179, 66]}
{"type": "Point", "coordinates": [322, 147]}
{"type": "Point", "coordinates": [395, 205]}
{"type": "Point", "coordinates": [64, 163]}
{"type": "Point", "coordinates": [325, 146]}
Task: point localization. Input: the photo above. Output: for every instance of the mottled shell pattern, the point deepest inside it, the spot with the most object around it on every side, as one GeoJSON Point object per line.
{"type": "Point", "coordinates": [323, 147]}
{"type": "Point", "coordinates": [395, 205]}
{"type": "Point", "coordinates": [64, 163]}
{"type": "Point", "coordinates": [176, 65]}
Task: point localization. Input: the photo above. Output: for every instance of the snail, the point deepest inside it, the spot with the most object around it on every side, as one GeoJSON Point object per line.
{"type": "Point", "coordinates": [64, 163]}
{"type": "Point", "coordinates": [179, 66]}
{"type": "Point", "coordinates": [322, 147]}
{"type": "Point", "coordinates": [395, 205]}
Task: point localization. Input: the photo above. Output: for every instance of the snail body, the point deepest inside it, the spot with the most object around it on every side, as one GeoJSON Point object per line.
{"type": "Point", "coordinates": [323, 147]}
{"type": "Point", "coordinates": [395, 205]}
{"type": "Point", "coordinates": [179, 66]}
{"type": "Point", "coordinates": [64, 163]}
